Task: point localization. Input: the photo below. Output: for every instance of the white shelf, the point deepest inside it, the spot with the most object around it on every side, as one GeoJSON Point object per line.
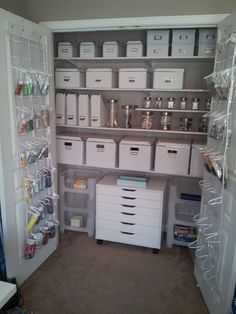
{"type": "Point", "coordinates": [171, 110]}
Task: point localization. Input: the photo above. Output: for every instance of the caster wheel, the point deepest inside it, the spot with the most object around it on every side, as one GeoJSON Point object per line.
{"type": "Point", "coordinates": [100, 242]}
{"type": "Point", "coordinates": [155, 251]}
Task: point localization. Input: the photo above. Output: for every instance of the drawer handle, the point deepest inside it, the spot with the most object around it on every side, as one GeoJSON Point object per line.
{"type": "Point", "coordinates": [130, 206]}
{"type": "Point", "coordinates": [129, 198]}
{"type": "Point", "coordinates": [129, 190]}
{"type": "Point", "coordinates": [130, 233]}
{"type": "Point", "coordinates": [128, 214]}
{"type": "Point", "coordinates": [127, 223]}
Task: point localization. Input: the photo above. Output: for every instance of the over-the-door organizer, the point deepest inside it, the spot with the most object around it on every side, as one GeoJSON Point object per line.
{"type": "Point", "coordinates": [35, 199]}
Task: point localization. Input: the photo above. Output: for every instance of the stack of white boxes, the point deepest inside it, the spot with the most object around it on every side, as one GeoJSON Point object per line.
{"type": "Point", "coordinates": [207, 43]}
{"type": "Point", "coordinates": [183, 42]}
{"type": "Point", "coordinates": [158, 43]}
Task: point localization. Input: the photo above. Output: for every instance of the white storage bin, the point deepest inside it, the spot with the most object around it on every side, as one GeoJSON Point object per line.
{"type": "Point", "coordinates": [69, 78]}
{"type": "Point", "coordinates": [182, 50]}
{"type": "Point", "coordinates": [206, 50]}
{"type": "Point", "coordinates": [70, 149]}
{"type": "Point", "coordinates": [136, 154]}
{"type": "Point", "coordinates": [172, 157]}
{"type": "Point", "coordinates": [168, 78]}
{"type": "Point", "coordinates": [89, 50]}
{"type": "Point", "coordinates": [183, 36]}
{"type": "Point", "coordinates": [196, 163]}
{"type": "Point", "coordinates": [101, 152]}
{"type": "Point", "coordinates": [157, 51]}
{"type": "Point", "coordinates": [60, 108]}
{"type": "Point", "coordinates": [207, 35]}
{"type": "Point", "coordinates": [133, 78]}
{"type": "Point", "coordinates": [71, 109]}
{"type": "Point", "coordinates": [101, 78]}
{"type": "Point", "coordinates": [134, 49]}
{"type": "Point", "coordinates": [112, 49]}
{"type": "Point", "coordinates": [84, 110]}
{"type": "Point", "coordinates": [67, 50]}
{"type": "Point", "coordinates": [159, 36]}
{"type": "Point", "coordinates": [98, 111]}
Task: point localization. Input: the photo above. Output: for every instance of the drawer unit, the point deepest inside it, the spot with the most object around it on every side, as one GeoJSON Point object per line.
{"type": "Point", "coordinates": [101, 78]}
{"type": "Point", "coordinates": [67, 50]}
{"type": "Point", "coordinates": [158, 36]}
{"type": "Point", "coordinates": [84, 110]}
{"type": "Point", "coordinates": [196, 163]}
{"type": "Point", "coordinates": [112, 49]}
{"type": "Point", "coordinates": [136, 154]}
{"type": "Point", "coordinates": [69, 78]}
{"type": "Point", "coordinates": [71, 109]}
{"type": "Point", "coordinates": [70, 150]}
{"type": "Point", "coordinates": [133, 78]}
{"type": "Point", "coordinates": [134, 49]}
{"type": "Point", "coordinates": [89, 50]}
{"type": "Point", "coordinates": [157, 50]}
{"type": "Point", "coordinates": [98, 112]}
{"type": "Point", "coordinates": [60, 108]}
{"type": "Point", "coordinates": [168, 78]}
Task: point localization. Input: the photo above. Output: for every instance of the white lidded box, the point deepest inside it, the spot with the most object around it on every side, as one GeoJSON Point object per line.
{"type": "Point", "coordinates": [172, 156]}
{"type": "Point", "coordinates": [168, 78]}
{"type": "Point", "coordinates": [70, 149]}
{"type": "Point", "coordinates": [196, 163]}
{"type": "Point", "coordinates": [84, 110]}
{"type": "Point", "coordinates": [101, 78]}
{"type": "Point", "coordinates": [69, 78]}
{"type": "Point", "coordinates": [98, 111]}
{"type": "Point", "coordinates": [67, 50]}
{"type": "Point", "coordinates": [60, 108]}
{"type": "Point", "coordinates": [136, 153]}
{"type": "Point", "coordinates": [206, 49]}
{"type": "Point", "coordinates": [71, 109]}
{"type": "Point", "coordinates": [134, 48]}
{"type": "Point", "coordinates": [112, 49]}
{"type": "Point", "coordinates": [207, 35]}
{"type": "Point", "coordinates": [182, 50]}
{"type": "Point", "coordinates": [186, 36]}
{"type": "Point", "coordinates": [89, 50]}
{"type": "Point", "coordinates": [158, 36]}
{"type": "Point", "coordinates": [101, 151]}
{"type": "Point", "coordinates": [133, 78]}
{"type": "Point", "coordinates": [156, 50]}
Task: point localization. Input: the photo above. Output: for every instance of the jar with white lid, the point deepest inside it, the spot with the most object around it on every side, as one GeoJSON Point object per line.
{"type": "Point", "coordinates": [165, 121]}
{"type": "Point", "coordinates": [147, 118]}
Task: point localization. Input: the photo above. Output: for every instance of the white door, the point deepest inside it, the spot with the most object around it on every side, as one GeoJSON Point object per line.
{"type": "Point", "coordinates": [215, 267]}
{"type": "Point", "coordinates": [27, 148]}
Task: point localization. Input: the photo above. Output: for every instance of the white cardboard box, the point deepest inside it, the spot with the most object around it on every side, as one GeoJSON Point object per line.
{"type": "Point", "coordinates": [84, 110]}
{"type": "Point", "coordinates": [89, 50]}
{"type": "Point", "coordinates": [101, 78]}
{"type": "Point", "coordinates": [172, 156]}
{"type": "Point", "coordinates": [186, 36]}
{"type": "Point", "coordinates": [61, 108]}
{"type": "Point", "coordinates": [133, 78]}
{"type": "Point", "coordinates": [134, 49]}
{"type": "Point", "coordinates": [158, 36]}
{"type": "Point", "coordinates": [136, 153]}
{"type": "Point", "coordinates": [70, 149]}
{"type": "Point", "coordinates": [112, 49]}
{"type": "Point", "coordinates": [69, 78]}
{"type": "Point", "coordinates": [98, 111]}
{"type": "Point", "coordinates": [207, 35]}
{"type": "Point", "coordinates": [67, 50]}
{"type": "Point", "coordinates": [168, 78]}
{"type": "Point", "coordinates": [196, 163]}
{"type": "Point", "coordinates": [206, 49]}
{"type": "Point", "coordinates": [156, 50]}
{"type": "Point", "coordinates": [71, 109]}
{"type": "Point", "coordinates": [182, 50]}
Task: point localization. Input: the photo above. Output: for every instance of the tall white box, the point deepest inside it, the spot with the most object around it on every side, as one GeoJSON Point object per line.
{"type": "Point", "coordinates": [61, 108]}
{"type": "Point", "coordinates": [69, 78]}
{"type": "Point", "coordinates": [168, 78]}
{"type": "Point", "coordinates": [71, 109]}
{"type": "Point", "coordinates": [98, 111]}
{"type": "Point", "coordinates": [172, 156]}
{"type": "Point", "coordinates": [112, 49]}
{"type": "Point", "coordinates": [196, 163]}
{"type": "Point", "coordinates": [101, 78]}
{"type": "Point", "coordinates": [67, 50]}
{"type": "Point", "coordinates": [89, 50]}
{"type": "Point", "coordinates": [133, 78]}
{"type": "Point", "coordinates": [136, 153]}
{"type": "Point", "coordinates": [101, 152]}
{"type": "Point", "coordinates": [84, 110]}
{"type": "Point", "coordinates": [70, 149]}
{"type": "Point", "coordinates": [134, 48]}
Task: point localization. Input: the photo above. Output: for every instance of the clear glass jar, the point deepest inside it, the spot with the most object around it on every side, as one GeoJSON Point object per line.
{"type": "Point", "coordinates": [203, 125]}
{"type": "Point", "coordinates": [165, 121]}
{"type": "Point", "coordinates": [195, 104]}
{"type": "Point", "coordinates": [171, 103]}
{"type": "Point", "coordinates": [158, 102]}
{"type": "Point", "coordinates": [127, 111]}
{"type": "Point", "coordinates": [185, 124]}
{"type": "Point", "coordinates": [147, 118]}
{"type": "Point", "coordinates": [183, 103]}
{"type": "Point", "coordinates": [147, 102]}
{"type": "Point", "coordinates": [112, 113]}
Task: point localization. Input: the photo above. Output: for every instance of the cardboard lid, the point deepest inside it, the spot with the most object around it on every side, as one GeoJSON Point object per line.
{"type": "Point", "coordinates": [174, 143]}
{"type": "Point", "coordinates": [67, 43]}
{"type": "Point", "coordinates": [169, 70]}
{"type": "Point", "coordinates": [111, 43]}
{"type": "Point", "coordinates": [100, 70]}
{"type": "Point", "coordinates": [137, 141]}
{"type": "Point", "coordinates": [69, 136]}
{"type": "Point", "coordinates": [134, 42]}
{"type": "Point", "coordinates": [105, 139]}
{"type": "Point", "coordinates": [88, 43]}
{"type": "Point", "coordinates": [68, 70]}
{"type": "Point", "coordinates": [133, 70]}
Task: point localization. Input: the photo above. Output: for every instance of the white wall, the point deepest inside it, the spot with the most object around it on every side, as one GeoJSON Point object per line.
{"type": "Point", "coordinates": [52, 10]}
{"type": "Point", "coordinates": [18, 7]}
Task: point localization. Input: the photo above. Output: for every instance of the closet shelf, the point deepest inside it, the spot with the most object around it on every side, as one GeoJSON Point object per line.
{"type": "Point", "coordinates": [170, 110]}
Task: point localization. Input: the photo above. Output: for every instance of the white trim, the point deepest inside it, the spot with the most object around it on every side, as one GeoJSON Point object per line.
{"type": "Point", "coordinates": [178, 21]}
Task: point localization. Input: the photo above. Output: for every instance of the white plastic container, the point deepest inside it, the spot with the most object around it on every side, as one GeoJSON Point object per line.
{"type": "Point", "coordinates": [172, 157]}
{"type": "Point", "coordinates": [186, 36]}
{"type": "Point", "coordinates": [158, 36]}
{"type": "Point", "coordinates": [69, 78]}
{"type": "Point", "coordinates": [156, 50]}
{"type": "Point", "coordinates": [89, 50]}
{"type": "Point", "coordinates": [196, 163]}
{"type": "Point", "coordinates": [71, 109]}
{"type": "Point", "coordinates": [136, 154]}
{"type": "Point", "coordinates": [168, 78]}
{"type": "Point", "coordinates": [182, 50]}
{"type": "Point", "coordinates": [101, 78]}
{"type": "Point", "coordinates": [134, 49]}
{"type": "Point", "coordinates": [70, 149]}
{"type": "Point", "coordinates": [98, 111]}
{"type": "Point", "coordinates": [133, 78]}
{"type": "Point", "coordinates": [112, 49]}
{"type": "Point", "coordinates": [67, 50]}
{"type": "Point", "coordinates": [60, 108]}
{"type": "Point", "coordinates": [84, 110]}
{"type": "Point", "coordinates": [101, 152]}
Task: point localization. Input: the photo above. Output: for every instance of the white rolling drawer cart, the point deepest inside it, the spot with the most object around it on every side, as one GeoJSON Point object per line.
{"type": "Point", "coordinates": [130, 215]}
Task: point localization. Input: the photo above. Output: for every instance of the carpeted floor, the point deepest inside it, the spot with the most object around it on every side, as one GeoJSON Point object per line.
{"type": "Point", "coordinates": [82, 277]}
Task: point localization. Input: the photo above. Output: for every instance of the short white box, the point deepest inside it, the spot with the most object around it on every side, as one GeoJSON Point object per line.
{"type": "Point", "coordinates": [134, 49]}
{"type": "Point", "coordinates": [84, 110]}
{"type": "Point", "coordinates": [158, 36]}
{"type": "Point", "coordinates": [67, 50]}
{"type": "Point", "coordinates": [71, 109]}
{"type": "Point", "coordinates": [112, 49]}
{"type": "Point", "coordinates": [168, 78]}
{"type": "Point", "coordinates": [101, 152]}
{"type": "Point", "coordinates": [60, 108]}
{"type": "Point", "coordinates": [70, 149]}
{"type": "Point", "coordinates": [98, 111]}
{"type": "Point", "coordinates": [89, 50]}
{"type": "Point", "coordinates": [186, 36]}
{"type": "Point", "coordinates": [206, 50]}
{"type": "Point", "coordinates": [69, 78]}
{"type": "Point", "coordinates": [157, 51]}
{"type": "Point", "coordinates": [207, 35]}
{"type": "Point", "coordinates": [196, 163]}
{"type": "Point", "coordinates": [133, 78]}
{"type": "Point", "coordinates": [182, 50]}
{"type": "Point", "coordinates": [101, 78]}
{"type": "Point", "coordinates": [172, 157]}
{"type": "Point", "coordinates": [136, 154]}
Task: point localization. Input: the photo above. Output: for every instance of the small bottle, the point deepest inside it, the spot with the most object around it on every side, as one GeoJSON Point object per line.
{"type": "Point", "coordinates": [158, 102]}
{"type": "Point", "coordinates": [195, 104]}
{"type": "Point", "coordinates": [171, 103]}
{"type": "Point", "coordinates": [147, 102]}
{"type": "Point", "coordinates": [183, 103]}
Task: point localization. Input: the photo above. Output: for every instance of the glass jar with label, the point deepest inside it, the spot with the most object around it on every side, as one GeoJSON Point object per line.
{"type": "Point", "coordinates": [165, 121]}
{"type": "Point", "coordinates": [171, 103]}
{"type": "Point", "coordinates": [185, 124]}
{"type": "Point", "coordinates": [183, 103]}
{"type": "Point", "coordinates": [147, 102]}
{"type": "Point", "coordinates": [195, 103]}
{"type": "Point", "coordinates": [158, 101]}
{"type": "Point", "coordinates": [147, 118]}
{"type": "Point", "coordinates": [203, 125]}
{"type": "Point", "coordinates": [112, 113]}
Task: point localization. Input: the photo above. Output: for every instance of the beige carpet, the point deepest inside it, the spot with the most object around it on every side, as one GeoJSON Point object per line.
{"type": "Point", "coordinates": [85, 278]}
